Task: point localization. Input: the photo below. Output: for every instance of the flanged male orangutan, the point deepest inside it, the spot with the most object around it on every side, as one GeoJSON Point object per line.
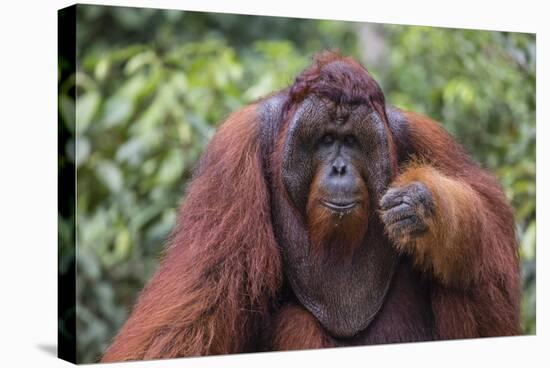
{"type": "Point", "coordinates": [320, 216]}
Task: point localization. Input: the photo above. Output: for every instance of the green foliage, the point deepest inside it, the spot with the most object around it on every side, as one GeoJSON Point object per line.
{"type": "Point", "coordinates": [153, 86]}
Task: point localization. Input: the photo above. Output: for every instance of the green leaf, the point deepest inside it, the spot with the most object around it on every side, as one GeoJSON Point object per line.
{"type": "Point", "coordinates": [131, 152]}
{"type": "Point", "coordinates": [528, 249]}
{"type": "Point", "coordinates": [102, 69]}
{"type": "Point", "coordinates": [88, 264]}
{"type": "Point", "coordinates": [117, 110]}
{"type": "Point", "coordinates": [81, 149]}
{"type": "Point", "coordinates": [122, 244]}
{"type": "Point", "coordinates": [134, 86]}
{"type": "Point", "coordinates": [138, 61]}
{"type": "Point", "coordinates": [110, 175]}
{"type": "Point", "coordinates": [86, 108]}
{"type": "Point", "coordinates": [171, 167]}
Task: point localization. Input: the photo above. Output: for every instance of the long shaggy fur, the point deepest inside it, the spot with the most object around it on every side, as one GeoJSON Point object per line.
{"type": "Point", "coordinates": [472, 246]}
{"type": "Point", "coordinates": [217, 288]}
{"type": "Point", "coordinates": [295, 328]}
{"type": "Point", "coordinates": [222, 269]}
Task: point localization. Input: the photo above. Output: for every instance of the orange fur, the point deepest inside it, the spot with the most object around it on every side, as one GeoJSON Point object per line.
{"type": "Point", "coordinates": [212, 291]}
{"type": "Point", "coordinates": [471, 246]}
{"type": "Point", "coordinates": [331, 234]}
{"type": "Point", "coordinates": [296, 329]}
{"type": "Point", "coordinates": [449, 244]}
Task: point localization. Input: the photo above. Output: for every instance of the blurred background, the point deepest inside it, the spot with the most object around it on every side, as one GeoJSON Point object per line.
{"type": "Point", "coordinates": [153, 85]}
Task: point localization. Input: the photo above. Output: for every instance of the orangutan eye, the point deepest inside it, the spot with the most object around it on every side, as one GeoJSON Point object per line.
{"type": "Point", "coordinates": [327, 139]}
{"type": "Point", "coordinates": [350, 140]}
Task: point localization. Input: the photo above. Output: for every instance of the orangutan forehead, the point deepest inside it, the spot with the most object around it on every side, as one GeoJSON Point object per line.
{"type": "Point", "coordinates": [315, 117]}
{"type": "Point", "coordinates": [321, 109]}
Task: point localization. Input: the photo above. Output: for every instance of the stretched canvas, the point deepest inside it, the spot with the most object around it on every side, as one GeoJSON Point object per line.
{"type": "Point", "coordinates": [238, 184]}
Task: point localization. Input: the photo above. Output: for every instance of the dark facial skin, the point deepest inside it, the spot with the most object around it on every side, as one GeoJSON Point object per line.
{"type": "Point", "coordinates": [344, 145]}
{"type": "Point", "coordinates": [339, 177]}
